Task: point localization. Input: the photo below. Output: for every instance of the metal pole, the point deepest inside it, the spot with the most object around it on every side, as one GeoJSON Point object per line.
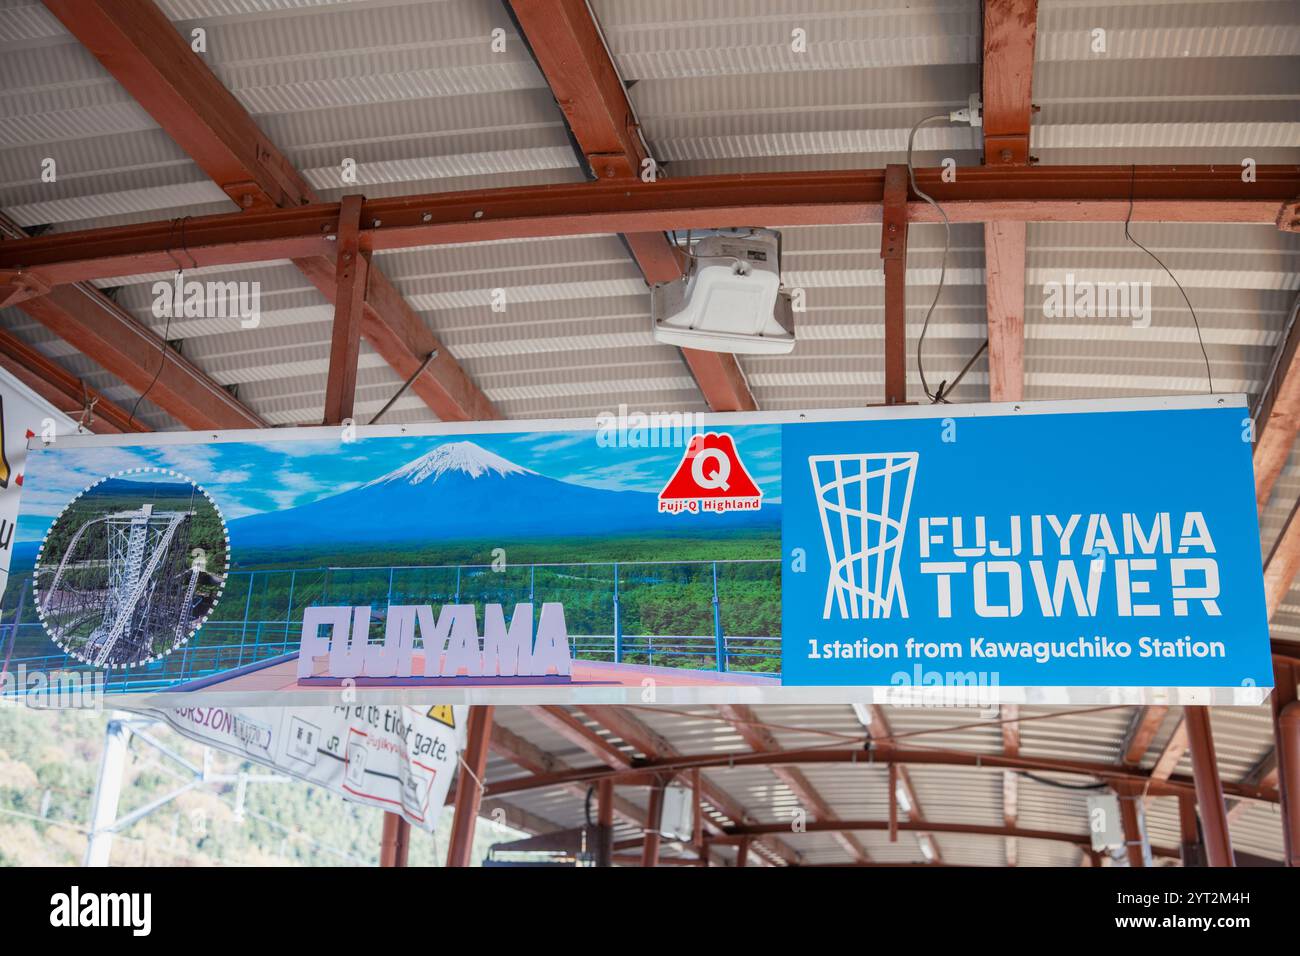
{"type": "Point", "coordinates": [697, 818]}
{"type": "Point", "coordinates": [469, 789]}
{"type": "Point", "coordinates": [742, 853]}
{"type": "Point", "coordinates": [719, 641]}
{"type": "Point", "coordinates": [288, 614]}
{"type": "Point", "coordinates": [653, 824]}
{"type": "Point", "coordinates": [248, 605]}
{"type": "Point", "coordinates": [618, 622]}
{"type": "Point", "coordinates": [1135, 839]}
{"type": "Point", "coordinates": [1192, 851]}
{"type": "Point", "coordinates": [605, 821]}
{"type": "Point", "coordinates": [1209, 789]}
{"type": "Point", "coordinates": [1286, 729]}
{"type": "Point", "coordinates": [395, 841]}
{"type": "Point", "coordinates": [108, 788]}
{"type": "Point", "coordinates": [893, 803]}
{"type": "Point", "coordinates": [405, 385]}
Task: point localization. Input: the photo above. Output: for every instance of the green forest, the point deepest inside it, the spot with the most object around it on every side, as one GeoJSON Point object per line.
{"type": "Point", "coordinates": [674, 598]}
{"type": "Point", "coordinates": [49, 761]}
{"type": "Point", "coordinates": [112, 496]}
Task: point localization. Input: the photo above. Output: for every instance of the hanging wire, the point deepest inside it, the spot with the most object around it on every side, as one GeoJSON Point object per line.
{"type": "Point", "coordinates": [1063, 786]}
{"type": "Point", "coordinates": [939, 394]}
{"type": "Point", "coordinates": [180, 277]}
{"type": "Point", "coordinates": [1195, 321]}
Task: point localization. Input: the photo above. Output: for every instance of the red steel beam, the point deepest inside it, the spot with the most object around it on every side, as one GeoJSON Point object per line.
{"type": "Point", "coordinates": [1009, 715]}
{"type": "Point", "coordinates": [1173, 751]}
{"type": "Point", "coordinates": [1209, 789]}
{"type": "Point", "coordinates": [761, 740]}
{"type": "Point", "coordinates": [1004, 268]}
{"type": "Point", "coordinates": [1145, 726]}
{"type": "Point", "coordinates": [62, 389]}
{"type": "Point", "coordinates": [641, 773]}
{"type": "Point", "coordinates": [1283, 563]}
{"type": "Point", "coordinates": [567, 44]}
{"type": "Point", "coordinates": [1135, 840]}
{"type": "Point", "coordinates": [893, 250]}
{"type": "Point", "coordinates": [605, 820]}
{"type": "Point", "coordinates": [883, 742]}
{"type": "Point", "coordinates": [351, 274]}
{"type": "Point", "coordinates": [1010, 28]}
{"type": "Point", "coordinates": [138, 356]}
{"type": "Point", "coordinates": [967, 829]}
{"type": "Point", "coordinates": [576, 732]}
{"type": "Point", "coordinates": [653, 824]}
{"type": "Point", "coordinates": [137, 44]}
{"type": "Point", "coordinates": [1188, 830]}
{"type": "Point", "coordinates": [1034, 194]}
{"type": "Point", "coordinates": [395, 841]}
{"type": "Point", "coordinates": [469, 788]}
{"type": "Point", "coordinates": [99, 329]}
{"type": "Point", "coordinates": [532, 758]}
{"type": "Point", "coordinates": [1277, 416]}
{"type": "Point", "coordinates": [657, 748]}
{"type": "Point", "coordinates": [1286, 730]}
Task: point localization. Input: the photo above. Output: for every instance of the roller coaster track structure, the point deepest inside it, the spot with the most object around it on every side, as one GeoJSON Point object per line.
{"type": "Point", "coordinates": [133, 583]}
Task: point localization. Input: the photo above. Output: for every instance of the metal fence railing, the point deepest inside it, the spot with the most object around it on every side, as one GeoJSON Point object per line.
{"type": "Point", "coordinates": [703, 615]}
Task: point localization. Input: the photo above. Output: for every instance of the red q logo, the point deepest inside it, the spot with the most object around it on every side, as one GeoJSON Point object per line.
{"type": "Point", "coordinates": [710, 477]}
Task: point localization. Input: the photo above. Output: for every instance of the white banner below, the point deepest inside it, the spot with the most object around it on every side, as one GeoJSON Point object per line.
{"type": "Point", "coordinates": [397, 758]}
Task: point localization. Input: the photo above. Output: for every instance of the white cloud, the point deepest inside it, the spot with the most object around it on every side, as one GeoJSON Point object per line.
{"type": "Point", "coordinates": [564, 441]}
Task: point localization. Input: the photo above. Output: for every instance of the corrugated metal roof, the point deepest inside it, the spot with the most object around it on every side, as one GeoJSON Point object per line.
{"type": "Point", "coordinates": [416, 95]}
{"type": "Point", "coordinates": [952, 795]}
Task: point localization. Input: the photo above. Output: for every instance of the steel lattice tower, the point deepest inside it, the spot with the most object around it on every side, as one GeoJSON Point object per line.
{"type": "Point", "coordinates": [123, 593]}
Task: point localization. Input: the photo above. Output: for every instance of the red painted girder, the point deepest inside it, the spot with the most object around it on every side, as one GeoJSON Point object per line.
{"type": "Point", "coordinates": [1064, 193]}
{"type": "Point", "coordinates": [62, 389]}
{"type": "Point", "coordinates": [138, 45]}
{"type": "Point", "coordinates": [1010, 27]}
{"type": "Point", "coordinates": [1155, 786]}
{"type": "Point", "coordinates": [137, 355]}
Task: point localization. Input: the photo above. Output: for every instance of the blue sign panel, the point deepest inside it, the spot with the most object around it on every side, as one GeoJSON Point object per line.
{"type": "Point", "coordinates": [1092, 549]}
{"type": "Point", "coordinates": [1066, 553]}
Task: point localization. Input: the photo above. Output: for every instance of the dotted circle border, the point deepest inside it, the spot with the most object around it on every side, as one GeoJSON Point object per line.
{"type": "Point", "coordinates": [221, 589]}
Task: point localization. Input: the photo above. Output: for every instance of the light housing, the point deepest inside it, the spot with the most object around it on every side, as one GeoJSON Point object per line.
{"type": "Point", "coordinates": [730, 299]}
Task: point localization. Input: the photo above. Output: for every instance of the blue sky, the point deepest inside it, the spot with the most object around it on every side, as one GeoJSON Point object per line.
{"type": "Point", "coordinates": [250, 478]}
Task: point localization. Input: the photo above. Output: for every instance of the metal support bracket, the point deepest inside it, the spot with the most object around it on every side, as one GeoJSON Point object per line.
{"type": "Point", "coordinates": [893, 250]}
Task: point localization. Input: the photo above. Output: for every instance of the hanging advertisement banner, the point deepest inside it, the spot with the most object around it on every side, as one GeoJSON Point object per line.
{"type": "Point", "coordinates": [400, 759]}
{"type": "Point", "coordinates": [1064, 552]}
{"type": "Point", "coordinates": [24, 416]}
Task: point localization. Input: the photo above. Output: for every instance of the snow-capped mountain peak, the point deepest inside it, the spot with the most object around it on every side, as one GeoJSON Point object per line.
{"type": "Point", "coordinates": [460, 456]}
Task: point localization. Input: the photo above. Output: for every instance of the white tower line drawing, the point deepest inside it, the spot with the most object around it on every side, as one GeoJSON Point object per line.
{"type": "Point", "coordinates": [863, 501]}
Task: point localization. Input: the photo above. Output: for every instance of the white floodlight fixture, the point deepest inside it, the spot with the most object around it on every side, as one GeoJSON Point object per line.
{"type": "Point", "coordinates": [904, 804]}
{"type": "Point", "coordinates": [730, 299]}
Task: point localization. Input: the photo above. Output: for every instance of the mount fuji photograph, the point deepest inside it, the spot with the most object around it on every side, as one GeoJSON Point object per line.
{"type": "Point", "coordinates": [459, 492]}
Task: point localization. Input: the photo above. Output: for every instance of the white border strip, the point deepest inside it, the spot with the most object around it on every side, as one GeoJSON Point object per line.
{"type": "Point", "coordinates": [706, 419]}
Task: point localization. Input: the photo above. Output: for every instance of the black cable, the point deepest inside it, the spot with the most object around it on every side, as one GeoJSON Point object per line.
{"type": "Point", "coordinates": [940, 394]}
{"type": "Point", "coordinates": [162, 360]}
{"type": "Point", "coordinates": [1064, 786]}
{"type": "Point", "coordinates": [162, 350]}
{"type": "Point", "coordinates": [1195, 321]}
{"type": "Point", "coordinates": [936, 396]}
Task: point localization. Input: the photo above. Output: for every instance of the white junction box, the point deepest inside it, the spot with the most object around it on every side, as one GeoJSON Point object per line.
{"type": "Point", "coordinates": [730, 299]}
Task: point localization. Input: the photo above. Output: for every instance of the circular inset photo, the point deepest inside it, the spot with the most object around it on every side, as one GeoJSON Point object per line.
{"type": "Point", "coordinates": [131, 568]}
